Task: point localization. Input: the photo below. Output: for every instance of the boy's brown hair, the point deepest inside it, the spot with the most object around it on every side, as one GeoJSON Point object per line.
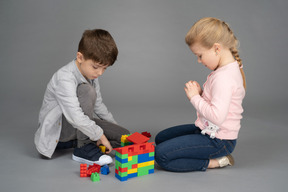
{"type": "Point", "coordinates": [99, 46]}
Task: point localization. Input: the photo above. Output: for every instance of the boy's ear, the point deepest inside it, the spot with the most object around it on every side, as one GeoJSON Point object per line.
{"type": "Point", "coordinates": [80, 57]}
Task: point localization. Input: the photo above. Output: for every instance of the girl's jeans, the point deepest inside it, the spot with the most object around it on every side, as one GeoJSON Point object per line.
{"type": "Point", "coordinates": [183, 148]}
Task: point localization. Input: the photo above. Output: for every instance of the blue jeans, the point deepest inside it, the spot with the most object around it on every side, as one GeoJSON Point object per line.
{"type": "Point", "coordinates": [183, 148]}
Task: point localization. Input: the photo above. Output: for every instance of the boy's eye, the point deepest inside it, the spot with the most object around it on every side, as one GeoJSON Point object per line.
{"type": "Point", "coordinates": [95, 67]}
{"type": "Point", "coordinates": [200, 56]}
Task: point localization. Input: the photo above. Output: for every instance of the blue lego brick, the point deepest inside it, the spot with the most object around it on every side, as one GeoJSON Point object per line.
{"type": "Point", "coordinates": [121, 178]}
{"type": "Point", "coordinates": [105, 170]}
{"type": "Point", "coordinates": [132, 175]}
{"type": "Point", "coordinates": [144, 158]}
{"type": "Point", "coordinates": [151, 171]}
{"type": "Point", "coordinates": [121, 160]}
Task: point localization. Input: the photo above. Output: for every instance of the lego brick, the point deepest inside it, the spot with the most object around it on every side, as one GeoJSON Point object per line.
{"type": "Point", "coordinates": [122, 174]}
{"type": "Point", "coordinates": [121, 160]}
{"type": "Point", "coordinates": [105, 170]}
{"type": "Point", "coordinates": [121, 178]}
{"type": "Point", "coordinates": [132, 171]}
{"type": "Point", "coordinates": [124, 141]}
{"type": "Point", "coordinates": [146, 134]}
{"type": "Point", "coordinates": [95, 168]}
{"type": "Point", "coordinates": [122, 165]}
{"type": "Point", "coordinates": [123, 169]}
{"type": "Point", "coordinates": [137, 138]}
{"type": "Point", "coordinates": [121, 156]}
{"type": "Point", "coordinates": [145, 164]}
{"type": "Point", "coordinates": [132, 175]}
{"type": "Point", "coordinates": [136, 149]}
{"type": "Point", "coordinates": [102, 148]}
{"type": "Point", "coordinates": [95, 177]}
{"type": "Point", "coordinates": [133, 159]}
{"type": "Point", "coordinates": [83, 170]}
{"type": "Point", "coordinates": [145, 170]}
{"type": "Point", "coordinates": [145, 157]}
{"type": "Point", "coordinates": [124, 138]}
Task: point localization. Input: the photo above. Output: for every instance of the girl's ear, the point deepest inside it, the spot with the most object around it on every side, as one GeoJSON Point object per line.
{"type": "Point", "coordinates": [80, 57]}
{"type": "Point", "coordinates": [217, 48]}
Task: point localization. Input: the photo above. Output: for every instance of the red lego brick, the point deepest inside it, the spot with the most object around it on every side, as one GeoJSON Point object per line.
{"type": "Point", "coordinates": [134, 166]}
{"type": "Point", "coordinates": [83, 170]}
{"type": "Point", "coordinates": [146, 134]}
{"type": "Point", "coordinates": [93, 168]}
{"type": "Point", "coordinates": [137, 138]}
{"type": "Point", "coordinates": [136, 149]}
{"type": "Point", "coordinates": [123, 170]}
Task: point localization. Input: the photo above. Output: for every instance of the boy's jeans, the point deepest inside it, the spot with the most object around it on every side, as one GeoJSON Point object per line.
{"type": "Point", "coordinates": [87, 97]}
{"type": "Point", "coordinates": [183, 148]}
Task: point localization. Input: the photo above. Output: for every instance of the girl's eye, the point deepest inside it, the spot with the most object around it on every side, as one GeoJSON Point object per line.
{"type": "Point", "coordinates": [200, 56]}
{"type": "Point", "coordinates": [95, 67]}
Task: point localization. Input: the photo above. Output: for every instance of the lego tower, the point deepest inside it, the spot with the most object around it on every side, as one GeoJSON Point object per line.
{"type": "Point", "coordinates": [136, 159]}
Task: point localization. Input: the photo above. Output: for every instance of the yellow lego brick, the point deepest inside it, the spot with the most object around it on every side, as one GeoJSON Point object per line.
{"type": "Point", "coordinates": [103, 148]}
{"type": "Point", "coordinates": [123, 138]}
{"type": "Point", "coordinates": [132, 171]}
{"type": "Point", "coordinates": [148, 163]}
{"type": "Point", "coordinates": [130, 158]}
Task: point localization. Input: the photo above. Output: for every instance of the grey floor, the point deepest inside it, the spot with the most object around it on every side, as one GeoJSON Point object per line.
{"type": "Point", "coordinates": [261, 158]}
{"type": "Point", "coordinates": [144, 90]}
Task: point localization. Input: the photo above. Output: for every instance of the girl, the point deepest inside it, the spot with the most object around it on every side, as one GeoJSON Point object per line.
{"type": "Point", "coordinates": [210, 141]}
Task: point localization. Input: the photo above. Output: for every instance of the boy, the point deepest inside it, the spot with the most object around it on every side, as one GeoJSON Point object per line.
{"type": "Point", "coordinates": [72, 101]}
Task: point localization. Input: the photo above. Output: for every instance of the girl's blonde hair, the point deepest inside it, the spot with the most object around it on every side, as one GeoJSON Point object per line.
{"type": "Point", "coordinates": [208, 31]}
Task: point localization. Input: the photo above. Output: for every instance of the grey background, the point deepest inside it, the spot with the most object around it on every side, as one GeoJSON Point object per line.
{"type": "Point", "coordinates": [145, 88]}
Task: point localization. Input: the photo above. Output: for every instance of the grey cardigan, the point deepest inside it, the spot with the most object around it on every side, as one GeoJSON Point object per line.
{"type": "Point", "coordinates": [60, 98]}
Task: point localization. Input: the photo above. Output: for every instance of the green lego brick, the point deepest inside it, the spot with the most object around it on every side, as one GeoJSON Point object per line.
{"type": "Point", "coordinates": [152, 154]}
{"type": "Point", "coordinates": [144, 170]}
{"type": "Point", "coordinates": [134, 159]}
{"type": "Point", "coordinates": [95, 177]}
{"type": "Point", "coordinates": [122, 165]}
{"type": "Point", "coordinates": [124, 174]}
{"type": "Point", "coordinates": [121, 156]}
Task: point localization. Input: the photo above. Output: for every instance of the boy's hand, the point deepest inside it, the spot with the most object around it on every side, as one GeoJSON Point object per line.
{"type": "Point", "coordinates": [104, 141]}
{"type": "Point", "coordinates": [192, 88]}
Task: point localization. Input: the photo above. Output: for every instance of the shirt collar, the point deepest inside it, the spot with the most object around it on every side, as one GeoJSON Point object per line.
{"type": "Point", "coordinates": [79, 77]}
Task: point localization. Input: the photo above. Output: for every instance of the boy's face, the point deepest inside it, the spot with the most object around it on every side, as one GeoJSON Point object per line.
{"type": "Point", "coordinates": [88, 68]}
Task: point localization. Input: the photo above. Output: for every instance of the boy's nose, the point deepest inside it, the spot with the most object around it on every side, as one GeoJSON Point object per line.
{"type": "Point", "coordinates": [101, 72]}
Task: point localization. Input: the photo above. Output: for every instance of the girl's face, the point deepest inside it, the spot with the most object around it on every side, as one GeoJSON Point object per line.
{"type": "Point", "coordinates": [208, 57]}
{"type": "Point", "coordinates": [88, 68]}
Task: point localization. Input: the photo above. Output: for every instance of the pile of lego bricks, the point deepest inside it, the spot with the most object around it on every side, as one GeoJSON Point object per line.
{"type": "Point", "coordinates": [135, 159]}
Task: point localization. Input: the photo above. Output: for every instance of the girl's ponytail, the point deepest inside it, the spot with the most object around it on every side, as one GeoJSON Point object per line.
{"type": "Point", "coordinates": [235, 53]}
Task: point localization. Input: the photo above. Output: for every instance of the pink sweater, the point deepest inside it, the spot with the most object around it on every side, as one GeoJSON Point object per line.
{"type": "Point", "coordinates": [221, 101]}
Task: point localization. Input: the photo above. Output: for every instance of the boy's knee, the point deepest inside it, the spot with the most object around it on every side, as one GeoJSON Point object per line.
{"type": "Point", "coordinates": [86, 90]}
{"type": "Point", "coordinates": [87, 97]}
